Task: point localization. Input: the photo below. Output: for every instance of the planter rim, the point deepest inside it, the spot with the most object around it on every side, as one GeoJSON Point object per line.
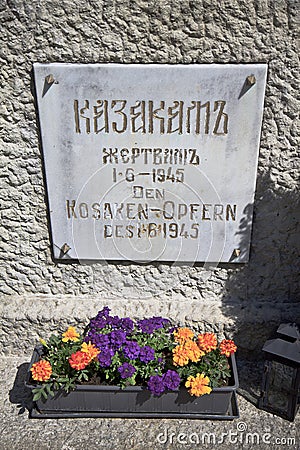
{"type": "Point", "coordinates": [232, 413]}
{"type": "Point", "coordinates": [105, 387]}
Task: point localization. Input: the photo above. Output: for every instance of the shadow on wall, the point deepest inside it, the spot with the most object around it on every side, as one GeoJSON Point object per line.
{"type": "Point", "coordinates": [19, 394]}
{"type": "Point", "coordinates": [265, 291]}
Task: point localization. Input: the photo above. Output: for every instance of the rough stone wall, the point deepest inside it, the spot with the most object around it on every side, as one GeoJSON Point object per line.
{"type": "Point", "coordinates": [228, 298]}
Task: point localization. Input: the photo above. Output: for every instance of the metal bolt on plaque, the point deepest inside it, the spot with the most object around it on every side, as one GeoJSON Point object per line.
{"type": "Point", "coordinates": [65, 248]}
{"type": "Point", "coordinates": [251, 80]}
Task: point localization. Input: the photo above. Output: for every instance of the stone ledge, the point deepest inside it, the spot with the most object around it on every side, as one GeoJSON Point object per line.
{"type": "Point", "coordinates": [24, 320]}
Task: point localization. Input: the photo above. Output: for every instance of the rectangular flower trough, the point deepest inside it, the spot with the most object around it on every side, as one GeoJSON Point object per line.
{"type": "Point", "coordinates": [137, 401]}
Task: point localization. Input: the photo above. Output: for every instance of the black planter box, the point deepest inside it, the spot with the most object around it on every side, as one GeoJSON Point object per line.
{"type": "Point", "coordinates": [137, 401]}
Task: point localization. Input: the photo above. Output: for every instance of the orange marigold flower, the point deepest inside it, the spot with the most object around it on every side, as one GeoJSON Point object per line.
{"type": "Point", "coordinates": [198, 385]}
{"type": "Point", "coordinates": [180, 356]}
{"type": "Point", "coordinates": [41, 370]}
{"type": "Point", "coordinates": [70, 335]}
{"type": "Point", "coordinates": [207, 342]}
{"type": "Point", "coordinates": [193, 351]}
{"type": "Point", "coordinates": [90, 349]}
{"type": "Point", "coordinates": [227, 346]}
{"type": "Point", "coordinates": [79, 360]}
{"type": "Point", "coordinates": [182, 335]}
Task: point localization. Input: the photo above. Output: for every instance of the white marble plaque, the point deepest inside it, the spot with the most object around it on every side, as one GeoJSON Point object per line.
{"type": "Point", "coordinates": [151, 162]}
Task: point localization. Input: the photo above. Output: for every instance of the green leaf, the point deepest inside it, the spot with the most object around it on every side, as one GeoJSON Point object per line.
{"type": "Point", "coordinates": [35, 390]}
{"type": "Point", "coordinates": [37, 396]}
{"type": "Point", "coordinates": [49, 390]}
{"type": "Point", "coordinates": [44, 394]}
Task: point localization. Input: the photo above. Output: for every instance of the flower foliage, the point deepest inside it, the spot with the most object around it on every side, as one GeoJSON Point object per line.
{"type": "Point", "coordinates": [119, 351]}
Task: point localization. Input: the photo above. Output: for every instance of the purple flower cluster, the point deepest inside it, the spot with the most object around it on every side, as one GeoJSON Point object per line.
{"type": "Point", "coordinates": [117, 339]}
{"type": "Point", "coordinates": [108, 333]}
{"type": "Point", "coordinates": [126, 370]}
{"type": "Point", "coordinates": [105, 357]}
{"type": "Point", "coordinates": [126, 324]}
{"type": "Point", "coordinates": [103, 319]}
{"type": "Point", "coordinates": [131, 349]}
{"type": "Point", "coordinates": [150, 325]}
{"type": "Point", "coordinates": [113, 335]}
{"type": "Point", "coordinates": [157, 384]}
{"type": "Point", "coordinates": [147, 354]}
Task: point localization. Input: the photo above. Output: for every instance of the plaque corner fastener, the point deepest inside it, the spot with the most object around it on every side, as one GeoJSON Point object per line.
{"type": "Point", "coordinates": [65, 248]}
{"type": "Point", "coordinates": [50, 79]}
{"type": "Point", "coordinates": [236, 252]}
{"type": "Point", "coordinates": [251, 80]}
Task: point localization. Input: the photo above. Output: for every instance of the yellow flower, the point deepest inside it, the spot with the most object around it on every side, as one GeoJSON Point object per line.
{"type": "Point", "coordinates": [182, 335]}
{"type": "Point", "coordinates": [90, 349]}
{"type": "Point", "coordinates": [198, 385]}
{"type": "Point", "coordinates": [193, 351]}
{"type": "Point", "coordinates": [43, 342]}
{"type": "Point", "coordinates": [189, 350]}
{"type": "Point", "coordinates": [180, 356]}
{"type": "Point", "coordinates": [70, 335]}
